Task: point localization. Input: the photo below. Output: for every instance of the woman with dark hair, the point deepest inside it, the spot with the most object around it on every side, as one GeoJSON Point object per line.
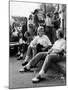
{"type": "Point", "coordinates": [29, 34]}
{"type": "Point", "coordinates": [49, 26]}
{"type": "Point", "coordinates": [36, 20]}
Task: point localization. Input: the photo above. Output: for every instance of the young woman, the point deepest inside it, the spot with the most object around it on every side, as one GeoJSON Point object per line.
{"type": "Point", "coordinates": [40, 42]}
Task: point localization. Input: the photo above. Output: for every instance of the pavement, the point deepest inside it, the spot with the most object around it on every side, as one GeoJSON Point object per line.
{"type": "Point", "coordinates": [24, 80]}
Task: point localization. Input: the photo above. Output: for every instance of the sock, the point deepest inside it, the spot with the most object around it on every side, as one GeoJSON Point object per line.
{"type": "Point", "coordinates": [28, 66]}
{"type": "Point", "coordinates": [42, 73]}
{"type": "Point", "coordinates": [21, 55]}
{"type": "Point", "coordinates": [19, 52]}
{"type": "Point", "coordinates": [26, 58]}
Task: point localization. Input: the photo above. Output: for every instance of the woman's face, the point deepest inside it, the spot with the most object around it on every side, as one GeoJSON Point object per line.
{"type": "Point", "coordinates": [41, 32]}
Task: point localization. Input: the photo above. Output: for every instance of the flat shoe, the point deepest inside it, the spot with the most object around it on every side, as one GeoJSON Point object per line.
{"type": "Point", "coordinates": [18, 55]}
{"type": "Point", "coordinates": [37, 79]}
{"type": "Point", "coordinates": [25, 70]}
{"type": "Point", "coordinates": [20, 58]}
{"type": "Point", "coordinates": [24, 63]}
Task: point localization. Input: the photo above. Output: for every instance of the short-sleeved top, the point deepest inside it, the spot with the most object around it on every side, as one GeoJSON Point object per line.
{"type": "Point", "coordinates": [60, 44]}
{"type": "Point", "coordinates": [44, 41]}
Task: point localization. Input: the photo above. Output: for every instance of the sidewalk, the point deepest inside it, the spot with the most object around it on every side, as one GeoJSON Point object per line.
{"type": "Point", "coordinates": [24, 80]}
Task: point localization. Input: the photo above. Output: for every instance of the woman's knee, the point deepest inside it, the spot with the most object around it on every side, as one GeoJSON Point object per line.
{"type": "Point", "coordinates": [41, 55]}
{"type": "Point", "coordinates": [52, 57]}
{"type": "Point", "coordinates": [29, 50]}
{"type": "Point", "coordinates": [29, 47]}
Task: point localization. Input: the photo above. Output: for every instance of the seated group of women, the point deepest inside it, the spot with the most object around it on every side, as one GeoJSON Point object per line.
{"type": "Point", "coordinates": [41, 51]}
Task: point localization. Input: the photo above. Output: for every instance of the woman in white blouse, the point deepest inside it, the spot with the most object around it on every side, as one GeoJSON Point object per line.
{"type": "Point", "coordinates": [40, 39]}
